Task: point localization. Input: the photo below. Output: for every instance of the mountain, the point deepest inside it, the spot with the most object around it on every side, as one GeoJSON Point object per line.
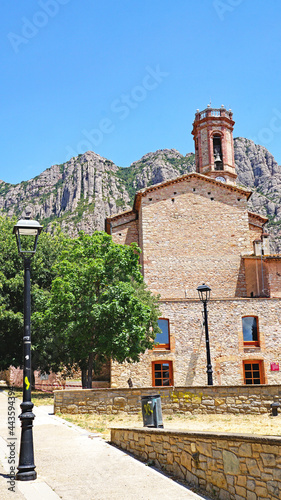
{"type": "Point", "coordinates": [80, 193]}
{"type": "Point", "coordinates": [257, 169]}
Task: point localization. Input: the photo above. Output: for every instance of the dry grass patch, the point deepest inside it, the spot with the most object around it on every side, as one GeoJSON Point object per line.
{"type": "Point", "coordinates": [242, 424]}
{"type": "Point", "coordinates": [103, 423]}
{"type": "Point", "coordinates": [39, 398]}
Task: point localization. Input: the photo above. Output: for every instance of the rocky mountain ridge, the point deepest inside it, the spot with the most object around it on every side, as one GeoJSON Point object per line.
{"type": "Point", "coordinates": [80, 193]}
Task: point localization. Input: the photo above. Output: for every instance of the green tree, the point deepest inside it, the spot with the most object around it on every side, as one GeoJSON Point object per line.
{"type": "Point", "coordinates": [88, 299]}
{"type": "Point", "coordinates": [11, 297]}
{"type": "Point", "coordinates": [99, 307]}
{"type": "Point", "coordinates": [12, 291]}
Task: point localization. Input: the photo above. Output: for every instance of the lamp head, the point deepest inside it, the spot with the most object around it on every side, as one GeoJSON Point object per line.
{"type": "Point", "coordinates": [204, 292]}
{"type": "Point", "coordinates": [27, 232]}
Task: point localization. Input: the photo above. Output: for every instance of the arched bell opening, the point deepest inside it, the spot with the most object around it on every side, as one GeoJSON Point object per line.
{"type": "Point", "coordinates": [217, 151]}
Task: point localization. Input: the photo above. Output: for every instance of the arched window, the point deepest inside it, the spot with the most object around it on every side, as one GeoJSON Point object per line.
{"type": "Point", "coordinates": [162, 340]}
{"type": "Point", "coordinates": [250, 331]}
{"type": "Point", "coordinates": [217, 149]}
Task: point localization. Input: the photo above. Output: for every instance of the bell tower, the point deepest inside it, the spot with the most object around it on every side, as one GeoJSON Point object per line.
{"type": "Point", "coordinates": [214, 150]}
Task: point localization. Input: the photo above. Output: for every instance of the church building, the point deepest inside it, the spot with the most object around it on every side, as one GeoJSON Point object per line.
{"type": "Point", "coordinates": [197, 229]}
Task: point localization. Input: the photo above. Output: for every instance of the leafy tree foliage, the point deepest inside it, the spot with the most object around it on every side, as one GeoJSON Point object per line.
{"type": "Point", "coordinates": [12, 289]}
{"type": "Point", "coordinates": [99, 307]}
{"type": "Point", "coordinates": [89, 302]}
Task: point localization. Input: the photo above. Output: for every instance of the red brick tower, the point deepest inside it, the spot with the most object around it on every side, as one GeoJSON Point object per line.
{"type": "Point", "coordinates": [214, 151]}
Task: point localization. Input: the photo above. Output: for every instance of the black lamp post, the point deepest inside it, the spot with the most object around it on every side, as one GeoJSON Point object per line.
{"type": "Point", "coordinates": [27, 232]}
{"type": "Point", "coordinates": [204, 296]}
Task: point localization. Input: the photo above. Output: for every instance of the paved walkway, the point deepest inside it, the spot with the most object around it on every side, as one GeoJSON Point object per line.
{"type": "Point", "coordinates": [73, 464]}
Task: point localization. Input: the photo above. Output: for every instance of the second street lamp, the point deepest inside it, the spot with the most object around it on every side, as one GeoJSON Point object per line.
{"type": "Point", "coordinates": [204, 295]}
{"type": "Point", "coordinates": [27, 232]}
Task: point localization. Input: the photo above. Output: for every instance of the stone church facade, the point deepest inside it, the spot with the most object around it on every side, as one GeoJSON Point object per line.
{"type": "Point", "coordinates": [197, 229]}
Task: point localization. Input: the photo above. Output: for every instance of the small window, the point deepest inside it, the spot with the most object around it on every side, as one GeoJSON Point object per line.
{"type": "Point", "coordinates": [162, 373]}
{"type": "Point", "coordinates": [162, 340]}
{"type": "Point", "coordinates": [250, 331]}
{"type": "Point", "coordinates": [253, 372]}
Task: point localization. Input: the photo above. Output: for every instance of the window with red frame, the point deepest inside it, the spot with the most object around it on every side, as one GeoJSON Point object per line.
{"type": "Point", "coordinates": [162, 340]}
{"type": "Point", "coordinates": [250, 326]}
{"type": "Point", "coordinates": [253, 372]}
{"type": "Point", "coordinates": [162, 373]}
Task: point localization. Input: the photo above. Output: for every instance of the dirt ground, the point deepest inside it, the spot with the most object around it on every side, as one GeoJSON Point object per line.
{"type": "Point", "coordinates": [242, 424]}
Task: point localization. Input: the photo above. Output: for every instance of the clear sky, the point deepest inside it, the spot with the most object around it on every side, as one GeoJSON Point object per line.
{"type": "Point", "coordinates": [125, 77]}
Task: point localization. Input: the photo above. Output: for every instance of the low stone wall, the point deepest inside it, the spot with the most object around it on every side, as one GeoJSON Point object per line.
{"type": "Point", "coordinates": [229, 466]}
{"type": "Point", "coordinates": [206, 399]}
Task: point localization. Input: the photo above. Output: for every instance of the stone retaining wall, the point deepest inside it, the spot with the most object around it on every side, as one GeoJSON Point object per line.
{"type": "Point", "coordinates": [215, 399]}
{"type": "Point", "coordinates": [229, 466]}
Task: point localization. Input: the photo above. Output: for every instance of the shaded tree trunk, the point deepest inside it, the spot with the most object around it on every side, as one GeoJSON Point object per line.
{"type": "Point", "coordinates": [32, 376]}
{"type": "Point", "coordinates": [90, 370]}
{"type": "Point", "coordinates": [84, 378]}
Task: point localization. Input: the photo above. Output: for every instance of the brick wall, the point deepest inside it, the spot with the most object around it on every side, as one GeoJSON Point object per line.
{"type": "Point", "coordinates": [204, 147]}
{"type": "Point", "coordinates": [235, 399]}
{"type": "Point", "coordinates": [204, 128]}
{"type": "Point", "coordinates": [230, 466]}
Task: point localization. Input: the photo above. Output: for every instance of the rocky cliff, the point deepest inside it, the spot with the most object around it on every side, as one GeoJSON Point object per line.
{"type": "Point", "coordinates": [257, 169]}
{"type": "Point", "coordinates": [79, 194]}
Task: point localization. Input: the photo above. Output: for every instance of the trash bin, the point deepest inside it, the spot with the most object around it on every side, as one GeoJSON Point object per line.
{"type": "Point", "coordinates": [151, 411]}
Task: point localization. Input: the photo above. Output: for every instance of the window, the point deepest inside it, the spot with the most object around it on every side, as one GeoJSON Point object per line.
{"type": "Point", "coordinates": [253, 372]}
{"type": "Point", "coordinates": [162, 340]}
{"type": "Point", "coordinates": [162, 373]}
{"type": "Point", "coordinates": [250, 331]}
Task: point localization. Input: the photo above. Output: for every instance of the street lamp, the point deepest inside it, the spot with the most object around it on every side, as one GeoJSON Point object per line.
{"type": "Point", "coordinates": [204, 296]}
{"type": "Point", "coordinates": [27, 232]}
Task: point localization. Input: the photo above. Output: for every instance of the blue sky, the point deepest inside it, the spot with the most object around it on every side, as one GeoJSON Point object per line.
{"type": "Point", "coordinates": [125, 77]}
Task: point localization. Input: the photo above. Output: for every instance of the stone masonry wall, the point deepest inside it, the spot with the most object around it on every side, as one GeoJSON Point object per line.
{"type": "Point", "coordinates": [188, 350]}
{"type": "Point", "coordinates": [256, 277]}
{"type": "Point", "coordinates": [255, 233]}
{"type": "Point", "coordinates": [229, 466]}
{"type": "Point", "coordinates": [205, 399]}
{"type": "Point", "coordinates": [126, 233]}
{"type": "Point", "coordinates": [263, 276]}
{"type": "Point", "coordinates": [194, 225]}
{"type": "Point", "coordinates": [274, 276]}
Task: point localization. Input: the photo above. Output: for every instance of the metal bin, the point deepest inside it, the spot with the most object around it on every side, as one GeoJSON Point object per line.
{"type": "Point", "coordinates": [151, 411]}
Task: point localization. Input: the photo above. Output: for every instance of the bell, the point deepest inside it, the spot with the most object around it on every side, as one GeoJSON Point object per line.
{"type": "Point", "coordinates": [217, 157]}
